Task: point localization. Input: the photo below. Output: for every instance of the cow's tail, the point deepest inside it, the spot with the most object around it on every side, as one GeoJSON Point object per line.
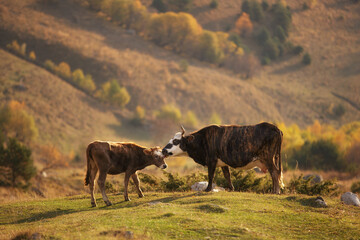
{"type": "Point", "coordinates": [88, 171]}
{"type": "Point", "coordinates": [278, 158]}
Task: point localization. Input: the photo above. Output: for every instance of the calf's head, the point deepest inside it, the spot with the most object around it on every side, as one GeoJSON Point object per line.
{"type": "Point", "coordinates": [156, 157]}
{"type": "Point", "coordinates": [177, 146]}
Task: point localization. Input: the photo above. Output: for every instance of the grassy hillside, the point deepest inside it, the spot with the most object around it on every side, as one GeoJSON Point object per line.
{"type": "Point", "coordinates": [183, 216]}
{"type": "Point", "coordinates": [64, 115]}
{"type": "Point", "coordinates": [285, 91]}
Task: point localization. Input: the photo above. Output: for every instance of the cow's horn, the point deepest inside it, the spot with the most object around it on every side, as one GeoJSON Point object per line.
{"type": "Point", "coordinates": [182, 129]}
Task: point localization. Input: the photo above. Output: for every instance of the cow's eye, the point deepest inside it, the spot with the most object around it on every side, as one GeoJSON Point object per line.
{"type": "Point", "coordinates": [176, 141]}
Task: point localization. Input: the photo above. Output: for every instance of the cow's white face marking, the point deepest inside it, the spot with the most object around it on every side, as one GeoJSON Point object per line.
{"type": "Point", "coordinates": [158, 153]}
{"type": "Point", "coordinates": [173, 147]}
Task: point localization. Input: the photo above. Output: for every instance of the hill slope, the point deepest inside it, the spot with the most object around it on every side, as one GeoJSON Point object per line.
{"type": "Point", "coordinates": [285, 91]}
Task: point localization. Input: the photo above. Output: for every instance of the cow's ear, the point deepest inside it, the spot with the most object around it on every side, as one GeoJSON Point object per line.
{"type": "Point", "coordinates": [147, 151]}
{"type": "Point", "coordinates": [190, 138]}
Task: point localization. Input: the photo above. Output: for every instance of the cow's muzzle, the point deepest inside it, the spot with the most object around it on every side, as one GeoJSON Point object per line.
{"type": "Point", "coordinates": [166, 153]}
{"type": "Point", "coordinates": [163, 166]}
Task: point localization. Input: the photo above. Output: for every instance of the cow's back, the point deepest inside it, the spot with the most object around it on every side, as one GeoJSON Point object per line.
{"type": "Point", "coordinates": [238, 145]}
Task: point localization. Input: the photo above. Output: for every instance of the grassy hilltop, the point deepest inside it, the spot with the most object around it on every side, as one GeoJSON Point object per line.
{"type": "Point", "coordinates": [221, 215]}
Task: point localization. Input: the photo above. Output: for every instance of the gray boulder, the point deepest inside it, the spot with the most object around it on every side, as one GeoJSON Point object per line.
{"type": "Point", "coordinates": [316, 178]}
{"type": "Point", "coordinates": [350, 198]}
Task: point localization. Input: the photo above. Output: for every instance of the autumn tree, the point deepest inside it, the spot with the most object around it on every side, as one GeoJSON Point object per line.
{"type": "Point", "coordinates": [243, 25]}
{"type": "Point", "coordinates": [113, 93]}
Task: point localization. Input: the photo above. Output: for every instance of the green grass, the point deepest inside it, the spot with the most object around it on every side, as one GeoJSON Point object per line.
{"type": "Point", "coordinates": [183, 216]}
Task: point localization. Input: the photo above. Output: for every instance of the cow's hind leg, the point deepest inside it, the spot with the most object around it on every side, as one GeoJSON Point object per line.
{"type": "Point", "coordinates": [211, 172]}
{"type": "Point", "coordinates": [101, 182]}
{"type": "Point", "coordinates": [93, 172]}
{"type": "Point", "coordinates": [126, 184]}
{"type": "Point", "coordinates": [227, 176]}
{"type": "Point", "coordinates": [137, 184]}
{"type": "Point", "coordinates": [275, 176]}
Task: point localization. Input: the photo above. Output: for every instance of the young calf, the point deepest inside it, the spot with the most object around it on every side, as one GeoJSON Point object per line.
{"type": "Point", "coordinates": [115, 158]}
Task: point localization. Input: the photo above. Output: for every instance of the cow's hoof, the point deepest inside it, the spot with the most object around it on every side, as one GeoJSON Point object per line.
{"type": "Point", "coordinates": [93, 204]}
{"type": "Point", "coordinates": [208, 190]}
{"type": "Point", "coordinates": [142, 195]}
{"type": "Point", "coordinates": [108, 203]}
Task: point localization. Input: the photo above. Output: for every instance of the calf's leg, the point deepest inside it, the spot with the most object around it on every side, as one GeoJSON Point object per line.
{"type": "Point", "coordinates": [227, 175]}
{"type": "Point", "coordinates": [211, 172]}
{"type": "Point", "coordinates": [101, 182]}
{"type": "Point", "coordinates": [275, 180]}
{"type": "Point", "coordinates": [126, 184]}
{"type": "Point", "coordinates": [137, 184]}
{"type": "Point", "coordinates": [93, 173]}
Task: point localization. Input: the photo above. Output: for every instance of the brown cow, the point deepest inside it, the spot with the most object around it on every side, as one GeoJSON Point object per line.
{"type": "Point", "coordinates": [115, 158]}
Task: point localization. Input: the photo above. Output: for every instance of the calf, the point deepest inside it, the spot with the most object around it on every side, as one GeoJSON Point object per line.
{"type": "Point", "coordinates": [236, 146]}
{"type": "Point", "coordinates": [115, 158]}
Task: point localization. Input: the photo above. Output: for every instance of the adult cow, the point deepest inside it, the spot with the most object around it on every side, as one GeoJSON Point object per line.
{"type": "Point", "coordinates": [236, 146]}
{"type": "Point", "coordinates": [115, 158]}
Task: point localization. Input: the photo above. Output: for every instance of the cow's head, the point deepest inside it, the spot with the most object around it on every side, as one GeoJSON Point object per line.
{"type": "Point", "coordinates": [177, 146]}
{"type": "Point", "coordinates": [156, 157]}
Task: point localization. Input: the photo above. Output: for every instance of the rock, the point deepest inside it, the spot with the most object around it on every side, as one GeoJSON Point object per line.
{"type": "Point", "coordinates": [316, 178]}
{"type": "Point", "coordinates": [201, 186]}
{"type": "Point", "coordinates": [350, 198]}
{"type": "Point", "coordinates": [320, 202]}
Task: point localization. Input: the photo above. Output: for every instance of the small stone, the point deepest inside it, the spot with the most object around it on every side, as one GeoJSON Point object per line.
{"type": "Point", "coordinates": [350, 198]}
{"type": "Point", "coordinates": [320, 202]}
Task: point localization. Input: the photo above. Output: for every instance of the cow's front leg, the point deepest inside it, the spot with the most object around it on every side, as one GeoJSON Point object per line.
{"type": "Point", "coordinates": [126, 184]}
{"type": "Point", "coordinates": [137, 184]}
{"type": "Point", "coordinates": [211, 172]}
{"type": "Point", "coordinates": [227, 176]}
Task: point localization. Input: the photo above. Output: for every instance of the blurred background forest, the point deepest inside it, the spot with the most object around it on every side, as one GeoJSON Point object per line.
{"type": "Point", "coordinates": [75, 71]}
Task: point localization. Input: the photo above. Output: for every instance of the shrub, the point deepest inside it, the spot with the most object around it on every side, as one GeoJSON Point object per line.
{"type": "Point", "coordinates": [280, 33]}
{"type": "Point", "coordinates": [78, 76]}
{"type": "Point", "coordinates": [88, 84]}
{"type": "Point", "coordinates": [355, 187]}
{"type": "Point", "coordinates": [282, 16]}
{"type": "Point", "coordinates": [214, 4]}
{"type": "Point", "coordinates": [215, 119]}
{"type": "Point", "coordinates": [306, 186]}
{"type": "Point", "coordinates": [265, 5]}
{"type": "Point", "coordinates": [243, 25]}
{"type": "Point", "coordinates": [321, 154]}
{"type": "Point", "coordinates": [13, 46]}
{"type": "Point", "coordinates": [254, 9]}
{"type": "Point", "coordinates": [263, 35]}
{"type": "Point", "coordinates": [169, 112]}
{"type": "Point", "coordinates": [338, 111]}
{"type": "Point", "coordinates": [113, 93]}
{"type": "Point", "coordinates": [50, 65]}
{"type": "Point", "coordinates": [180, 5]}
{"type": "Point", "coordinates": [32, 56]}
{"type": "Point", "coordinates": [95, 4]}
{"type": "Point", "coordinates": [63, 70]}
{"type": "Point", "coordinates": [184, 65]}
{"type": "Point", "coordinates": [139, 115]}
{"type": "Point", "coordinates": [16, 122]}
{"type": "Point", "coordinates": [23, 49]}
{"type": "Point", "coordinates": [190, 120]}
{"type": "Point", "coordinates": [174, 183]}
{"type": "Point", "coordinates": [271, 50]}
{"type": "Point", "coordinates": [159, 5]}
{"type": "Point", "coordinates": [247, 65]}
{"type": "Point", "coordinates": [17, 158]}
{"type": "Point", "coordinates": [306, 60]}
{"type": "Point", "coordinates": [265, 61]}
{"type": "Point", "coordinates": [298, 50]}
{"type": "Point", "coordinates": [235, 38]}
{"type": "Point", "coordinates": [209, 49]}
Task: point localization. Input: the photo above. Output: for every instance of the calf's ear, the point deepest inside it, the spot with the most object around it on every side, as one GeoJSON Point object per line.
{"type": "Point", "coordinates": [147, 151]}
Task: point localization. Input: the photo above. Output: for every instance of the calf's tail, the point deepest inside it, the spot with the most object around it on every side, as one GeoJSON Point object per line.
{"type": "Point", "coordinates": [88, 159]}
{"type": "Point", "coordinates": [279, 159]}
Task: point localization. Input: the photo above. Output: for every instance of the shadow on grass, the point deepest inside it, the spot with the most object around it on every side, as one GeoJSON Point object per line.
{"type": "Point", "coordinates": [307, 202]}
{"type": "Point", "coordinates": [47, 215]}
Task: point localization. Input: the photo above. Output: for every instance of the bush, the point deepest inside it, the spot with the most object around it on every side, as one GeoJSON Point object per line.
{"type": "Point", "coordinates": [169, 112]}
{"type": "Point", "coordinates": [13, 46]}
{"type": "Point", "coordinates": [355, 187]}
{"type": "Point", "coordinates": [243, 25]}
{"type": "Point", "coordinates": [271, 50]}
{"type": "Point", "coordinates": [298, 50]}
{"type": "Point", "coordinates": [254, 9]}
{"type": "Point", "coordinates": [184, 65]}
{"type": "Point", "coordinates": [214, 4]}
{"type": "Point", "coordinates": [209, 49]}
{"type": "Point", "coordinates": [16, 122]}
{"type": "Point", "coordinates": [321, 154]}
{"type": "Point", "coordinates": [32, 56]}
{"type": "Point", "coordinates": [265, 61]}
{"type": "Point", "coordinates": [306, 60]}
{"type": "Point", "coordinates": [50, 65]}
{"type": "Point", "coordinates": [235, 38]}
{"type": "Point", "coordinates": [139, 116]}
{"type": "Point", "coordinates": [282, 16]}
{"type": "Point", "coordinates": [190, 120]}
{"type": "Point", "coordinates": [63, 70]}
{"type": "Point", "coordinates": [265, 5]}
{"type": "Point", "coordinates": [280, 33]}
{"type": "Point", "coordinates": [17, 158]}
{"type": "Point", "coordinates": [95, 4]}
{"type": "Point", "coordinates": [263, 35]}
{"type": "Point", "coordinates": [23, 49]}
{"type": "Point", "coordinates": [215, 119]}
{"type": "Point", "coordinates": [174, 183]}
{"type": "Point", "coordinates": [113, 93]}
{"type": "Point", "coordinates": [306, 186]}
{"type": "Point", "coordinates": [159, 5]}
